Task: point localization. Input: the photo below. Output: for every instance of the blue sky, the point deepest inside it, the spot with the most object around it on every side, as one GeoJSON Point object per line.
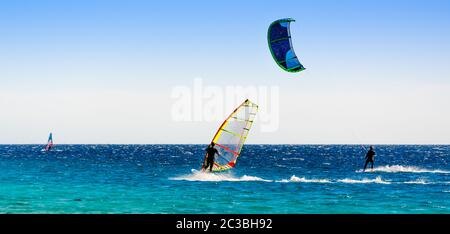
{"type": "Point", "coordinates": [67, 65]}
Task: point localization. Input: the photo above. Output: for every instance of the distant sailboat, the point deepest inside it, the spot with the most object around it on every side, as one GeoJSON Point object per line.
{"type": "Point", "coordinates": [49, 143]}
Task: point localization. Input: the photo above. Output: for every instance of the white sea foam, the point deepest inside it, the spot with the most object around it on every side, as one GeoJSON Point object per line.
{"type": "Point", "coordinates": [403, 169]}
{"type": "Point", "coordinates": [303, 180]}
{"type": "Point", "coordinates": [377, 180]}
{"type": "Point", "coordinates": [418, 181]}
{"type": "Point", "coordinates": [288, 159]}
{"type": "Point", "coordinates": [217, 177]}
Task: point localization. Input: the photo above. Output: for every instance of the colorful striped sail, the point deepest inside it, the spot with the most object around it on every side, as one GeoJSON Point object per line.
{"type": "Point", "coordinates": [49, 143]}
{"type": "Point", "coordinates": [232, 134]}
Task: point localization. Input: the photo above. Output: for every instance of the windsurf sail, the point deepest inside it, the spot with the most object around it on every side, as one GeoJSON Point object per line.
{"type": "Point", "coordinates": [49, 142]}
{"type": "Point", "coordinates": [230, 137]}
{"type": "Point", "coordinates": [280, 44]}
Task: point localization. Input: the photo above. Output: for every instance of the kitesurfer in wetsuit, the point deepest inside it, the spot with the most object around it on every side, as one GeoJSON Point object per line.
{"type": "Point", "coordinates": [370, 157]}
{"type": "Point", "coordinates": [210, 154]}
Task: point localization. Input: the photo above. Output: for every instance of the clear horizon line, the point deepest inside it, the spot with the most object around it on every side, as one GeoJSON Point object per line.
{"type": "Point", "coordinates": [43, 144]}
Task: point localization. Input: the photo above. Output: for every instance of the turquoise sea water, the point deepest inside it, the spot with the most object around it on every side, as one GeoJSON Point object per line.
{"type": "Point", "coordinates": [267, 179]}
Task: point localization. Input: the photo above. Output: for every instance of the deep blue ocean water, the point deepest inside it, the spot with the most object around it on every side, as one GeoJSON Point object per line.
{"type": "Point", "coordinates": [267, 179]}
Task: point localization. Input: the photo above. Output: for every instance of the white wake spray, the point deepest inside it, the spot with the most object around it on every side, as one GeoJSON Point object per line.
{"type": "Point", "coordinates": [303, 180]}
{"type": "Point", "coordinates": [220, 177]}
{"type": "Point", "coordinates": [217, 177]}
{"type": "Point", "coordinates": [402, 169]}
{"type": "Point", "coordinates": [377, 180]}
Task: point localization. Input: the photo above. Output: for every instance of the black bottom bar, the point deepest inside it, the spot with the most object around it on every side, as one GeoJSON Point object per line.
{"type": "Point", "coordinates": [225, 223]}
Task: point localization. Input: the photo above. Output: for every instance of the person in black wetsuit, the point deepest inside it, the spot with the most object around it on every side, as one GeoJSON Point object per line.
{"type": "Point", "coordinates": [210, 155]}
{"type": "Point", "coordinates": [370, 157]}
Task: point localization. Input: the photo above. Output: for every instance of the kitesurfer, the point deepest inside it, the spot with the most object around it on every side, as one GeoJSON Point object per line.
{"type": "Point", "coordinates": [370, 157]}
{"type": "Point", "coordinates": [210, 155]}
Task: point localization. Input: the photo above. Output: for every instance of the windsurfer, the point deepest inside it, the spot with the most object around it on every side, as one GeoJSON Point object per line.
{"type": "Point", "coordinates": [210, 151]}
